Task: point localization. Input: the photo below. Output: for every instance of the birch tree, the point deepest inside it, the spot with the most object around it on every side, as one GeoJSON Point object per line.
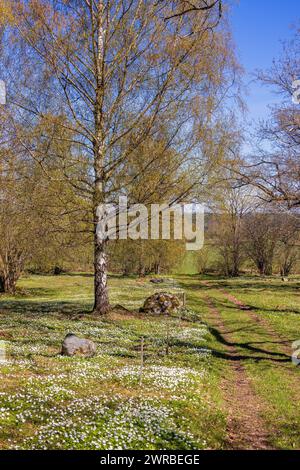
{"type": "Point", "coordinates": [114, 74]}
{"type": "Point", "coordinates": [275, 169]}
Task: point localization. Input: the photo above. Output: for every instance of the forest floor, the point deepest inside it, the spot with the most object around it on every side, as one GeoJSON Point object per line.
{"type": "Point", "coordinates": [218, 375]}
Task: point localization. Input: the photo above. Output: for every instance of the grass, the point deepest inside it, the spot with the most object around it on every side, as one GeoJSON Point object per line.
{"type": "Point", "coordinates": [51, 402]}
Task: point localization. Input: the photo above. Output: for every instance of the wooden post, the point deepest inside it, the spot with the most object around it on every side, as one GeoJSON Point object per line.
{"type": "Point", "coordinates": [168, 338]}
{"type": "Point", "coordinates": [183, 299]}
{"type": "Point", "coordinates": [142, 360]}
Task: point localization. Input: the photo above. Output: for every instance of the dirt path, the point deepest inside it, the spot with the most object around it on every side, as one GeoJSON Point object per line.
{"type": "Point", "coordinates": [284, 343]}
{"type": "Point", "coordinates": [246, 428]}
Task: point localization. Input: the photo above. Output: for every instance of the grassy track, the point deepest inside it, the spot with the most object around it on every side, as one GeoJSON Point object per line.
{"type": "Point", "coordinates": [262, 335]}
{"type": "Point", "coordinates": [222, 364]}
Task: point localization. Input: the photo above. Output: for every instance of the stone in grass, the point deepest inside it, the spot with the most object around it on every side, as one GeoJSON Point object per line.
{"type": "Point", "coordinates": [161, 303]}
{"type": "Point", "coordinates": [74, 346]}
{"type": "Point", "coordinates": [156, 280]}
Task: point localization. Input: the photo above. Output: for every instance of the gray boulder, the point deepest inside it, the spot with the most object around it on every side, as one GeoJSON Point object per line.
{"type": "Point", "coordinates": [74, 346]}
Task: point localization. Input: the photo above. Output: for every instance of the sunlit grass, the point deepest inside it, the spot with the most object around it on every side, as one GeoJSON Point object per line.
{"type": "Point", "coordinates": [104, 402]}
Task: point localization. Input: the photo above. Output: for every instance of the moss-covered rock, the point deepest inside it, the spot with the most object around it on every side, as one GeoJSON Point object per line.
{"type": "Point", "coordinates": [161, 303]}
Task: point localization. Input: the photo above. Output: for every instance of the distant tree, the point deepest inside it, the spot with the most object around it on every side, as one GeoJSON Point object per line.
{"type": "Point", "coordinates": [261, 239]}
{"type": "Point", "coordinates": [275, 169]}
{"type": "Point", "coordinates": [203, 259]}
{"type": "Point", "coordinates": [231, 209]}
{"type": "Point", "coordinates": [289, 242]}
{"type": "Point", "coordinates": [143, 257]}
{"type": "Point", "coordinates": [16, 224]}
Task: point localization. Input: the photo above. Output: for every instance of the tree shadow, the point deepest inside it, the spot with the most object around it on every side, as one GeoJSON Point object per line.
{"type": "Point", "coordinates": [277, 310]}
{"type": "Point", "coordinates": [228, 304]}
{"type": "Point", "coordinates": [258, 353]}
{"type": "Point", "coordinates": [74, 274]}
{"type": "Point", "coordinates": [257, 285]}
{"type": "Point", "coordinates": [240, 357]}
{"type": "Point", "coordinates": [239, 284]}
{"type": "Point", "coordinates": [27, 307]}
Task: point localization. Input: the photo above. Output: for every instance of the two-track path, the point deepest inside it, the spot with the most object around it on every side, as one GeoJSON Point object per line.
{"type": "Point", "coordinates": [246, 428]}
{"type": "Point", "coordinates": [250, 347]}
{"type": "Point", "coordinates": [246, 410]}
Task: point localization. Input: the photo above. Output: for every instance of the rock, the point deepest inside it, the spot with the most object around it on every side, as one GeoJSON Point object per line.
{"type": "Point", "coordinates": [161, 303]}
{"type": "Point", "coordinates": [156, 280]}
{"type": "Point", "coordinates": [74, 346]}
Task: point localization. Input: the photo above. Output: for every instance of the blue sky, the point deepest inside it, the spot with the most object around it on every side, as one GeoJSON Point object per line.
{"type": "Point", "coordinates": [258, 26]}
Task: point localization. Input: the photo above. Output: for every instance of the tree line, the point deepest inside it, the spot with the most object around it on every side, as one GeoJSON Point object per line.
{"type": "Point", "coordinates": [135, 98]}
